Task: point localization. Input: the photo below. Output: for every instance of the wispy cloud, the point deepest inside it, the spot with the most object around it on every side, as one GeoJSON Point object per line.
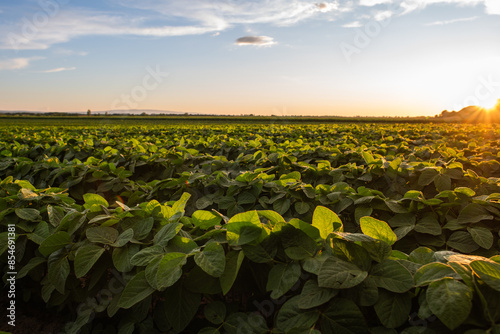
{"type": "Point", "coordinates": [16, 63]}
{"type": "Point", "coordinates": [67, 52]}
{"type": "Point", "coordinates": [354, 24]}
{"type": "Point", "coordinates": [153, 18]}
{"type": "Point", "coordinates": [255, 40]}
{"type": "Point", "coordinates": [441, 23]}
{"type": "Point", "coordinates": [59, 69]}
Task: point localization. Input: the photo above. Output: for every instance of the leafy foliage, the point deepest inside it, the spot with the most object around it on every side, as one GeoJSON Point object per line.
{"type": "Point", "coordinates": [299, 228]}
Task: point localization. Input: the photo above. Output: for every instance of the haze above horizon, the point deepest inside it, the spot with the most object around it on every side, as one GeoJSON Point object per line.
{"type": "Point", "coordinates": [282, 57]}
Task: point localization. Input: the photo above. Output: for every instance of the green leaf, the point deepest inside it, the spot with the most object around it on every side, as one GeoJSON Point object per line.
{"type": "Point", "coordinates": [301, 207]}
{"type": "Point", "coordinates": [54, 242]}
{"type": "Point", "coordinates": [233, 263]}
{"type": "Point", "coordinates": [181, 245]}
{"type": "Point", "coordinates": [146, 255]}
{"type": "Point", "coordinates": [205, 219]}
{"type": "Point", "coordinates": [121, 257]}
{"type": "Point", "coordinates": [281, 206]}
{"type": "Point", "coordinates": [463, 242]}
{"type": "Point", "coordinates": [282, 278]}
{"type": "Point", "coordinates": [434, 271]}
{"type": "Point", "coordinates": [482, 236]}
{"type": "Point", "coordinates": [28, 214]}
{"type": "Point", "coordinates": [209, 330]}
{"type": "Point", "coordinates": [137, 289]}
{"type": "Point", "coordinates": [392, 276]}
{"type": "Point", "coordinates": [32, 263]}
{"type": "Point", "coordinates": [181, 307]}
{"type": "Point", "coordinates": [488, 272]}
{"type": "Point", "coordinates": [343, 316]}
{"type": "Point", "coordinates": [167, 233]}
{"type": "Point", "coordinates": [181, 203]}
{"type": "Point", "coordinates": [473, 213]}
{"type": "Point", "coordinates": [124, 238]}
{"type": "Point", "coordinates": [337, 274]}
{"type": "Point", "coordinates": [326, 221]}
{"type": "Point", "coordinates": [94, 199]}
{"type": "Point", "coordinates": [427, 176]}
{"type": "Point", "coordinates": [429, 224]}
{"type": "Point", "coordinates": [215, 312]}
{"type": "Point", "coordinates": [212, 259]}
{"type": "Point", "coordinates": [313, 296]}
{"type": "Point", "coordinates": [243, 228]}
{"type": "Point", "coordinates": [442, 182]}
{"type": "Point", "coordinates": [450, 301]}
{"type": "Point", "coordinates": [378, 229]}
{"type": "Point", "coordinates": [102, 234]}
{"type": "Point", "coordinates": [55, 214]}
{"type": "Point", "coordinates": [393, 309]}
{"type": "Point", "coordinates": [85, 258]}
{"type": "Point", "coordinates": [58, 271]}
{"type": "Point", "coordinates": [297, 244]}
{"type": "Point", "coordinates": [290, 316]}
{"type": "Point", "coordinates": [421, 255]}
{"type": "Point", "coordinates": [170, 269]}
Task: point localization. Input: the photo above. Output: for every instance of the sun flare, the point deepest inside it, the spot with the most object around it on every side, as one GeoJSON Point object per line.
{"type": "Point", "coordinates": [491, 104]}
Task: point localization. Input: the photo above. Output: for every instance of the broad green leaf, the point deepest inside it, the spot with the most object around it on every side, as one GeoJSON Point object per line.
{"type": "Point", "coordinates": [427, 176]}
{"type": "Point", "coordinates": [136, 290]}
{"type": "Point", "coordinates": [421, 255]}
{"type": "Point", "coordinates": [434, 271]}
{"type": "Point", "coordinates": [85, 258]}
{"type": "Point", "coordinates": [166, 233]}
{"type": "Point", "coordinates": [326, 221]}
{"type": "Point", "coordinates": [215, 312]}
{"type": "Point", "coordinates": [54, 242]}
{"type": "Point", "coordinates": [181, 307]}
{"type": "Point", "coordinates": [282, 278]}
{"type": "Point", "coordinates": [482, 236]}
{"type": "Point", "coordinates": [102, 234]}
{"type": "Point", "coordinates": [337, 274]}
{"type": "Point", "coordinates": [181, 203]}
{"type": "Point", "coordinates": [393, 309]}
{"type": "Point", "coordinates": [473, 213]}
{"type": "Point", "coordinates": [56, 214]}
{"type": "Point", "coordinates": [343, 316]}
{"type": "Point", "coordinates": [313, 296]}
{"type": "Point", "coordinates": [301, 207]}
{"type": "Point", "coordinates": [392, 276]}
{"type": "Point", "coordinates": [181, 245]}
{"type": "Point", "coordinates": [243, 228]}
{"type": "Point", "coordinates": [378, 229]}
{"type": "Point", "coordinates": [28, 214]}
{"type": "Point", "coordinates": [121, 257]}
{"type": "Point", "coordinates": [429, 224]}
{"type": "Point", "coordinates": [124, 238]}
{"type": "Point", "coordinates": [32, 263]}
{"type": "Point", "coordinates": [205, 219]}
{"type": "Point", "coordinates": [233, 263]}
{"type": "Point", "coordinates": [58, 271]}
{"type": "Point", "coordinates": [297, 244]}
{"type": "Point", "coordinates": [488, 272]}
{"type": "Point", "coordinates": [450, 301]}
{"type": "Point", "coordinates": [282, 205]}
{"type": "Point", "coordinates": [146, 255]}
{"type": "Point", "coordinates": [212, 259]}
{"type": "Point", "coordinates": [463, 242]}
{"type": "Point", "coordinates": [170, 269]}
{"type": "Point", "coordinates": [290, 316]}
{"type": "Point", "coordinates": [94, 199]}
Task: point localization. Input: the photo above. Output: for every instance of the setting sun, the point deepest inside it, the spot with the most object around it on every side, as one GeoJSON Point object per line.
{"type": "Point", "coordinates": [490, 104]}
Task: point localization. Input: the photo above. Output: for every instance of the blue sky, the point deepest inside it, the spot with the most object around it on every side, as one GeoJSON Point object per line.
{"type": "Point", "coordinates": [282, 57]}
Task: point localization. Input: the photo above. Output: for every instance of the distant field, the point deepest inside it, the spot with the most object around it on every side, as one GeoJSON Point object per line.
{"type": "Point", "coordinates": [165, 120]}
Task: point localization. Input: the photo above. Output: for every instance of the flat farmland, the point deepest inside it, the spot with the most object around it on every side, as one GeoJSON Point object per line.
{"type": "Point", "coordinates": [254, 226]}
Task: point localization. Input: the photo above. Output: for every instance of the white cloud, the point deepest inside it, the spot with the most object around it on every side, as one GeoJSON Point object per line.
{"type": "Point", "coordinates": [67, 52]}
{"type": "Point", "coordinates": [492, 7]}
{"type": "Point", "coordinates": [16, 63]}
{"type": "Point", "coordinates": [355, 24]}
{"type": "Point", "coordinates": [370, 3]}
{"type": "Point", "coordinates": [59, 69]}
{"type": "Point", "coordinates": [440, 23]}
{"type": "Point", "coordinates": [255, 40]}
